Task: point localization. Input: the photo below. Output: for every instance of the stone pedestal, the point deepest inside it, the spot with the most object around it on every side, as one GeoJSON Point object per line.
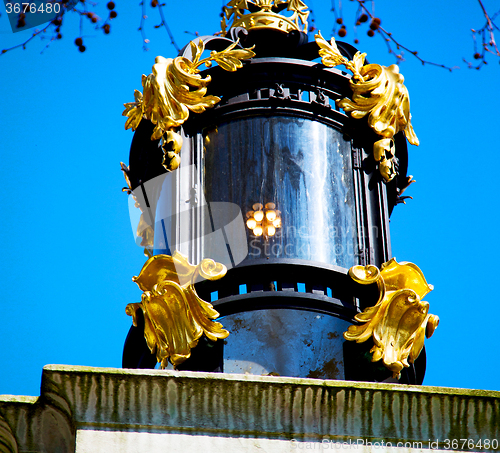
{"type": "Point", "coordinates": [103, 410]}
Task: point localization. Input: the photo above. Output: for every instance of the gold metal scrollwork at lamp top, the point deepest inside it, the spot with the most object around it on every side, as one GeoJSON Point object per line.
{"type": "Point", "coordinates": [264, 220]}
{"type": "Point", "coordinates": [174, 89]}
{"type": "Point", "coordinates": [174, 316]}
{"type": "Point", "coordinates": [378, 92]}
{"type": "Point", "coordinates": [400, 320]}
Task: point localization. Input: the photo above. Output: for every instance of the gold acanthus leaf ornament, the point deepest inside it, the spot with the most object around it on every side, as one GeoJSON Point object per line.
{"type": "Point", "coordinates": [174, 316]}
{"type": "Point", "coordinates": [400, 320]}
{"type": "Point", "coordinates": [173, 90]}
{"type": "Point", "coordinates": [378, 92]}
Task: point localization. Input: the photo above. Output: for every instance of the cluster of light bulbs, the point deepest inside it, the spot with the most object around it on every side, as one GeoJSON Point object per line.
{"type": "Point", "coordinates": [264, 220]}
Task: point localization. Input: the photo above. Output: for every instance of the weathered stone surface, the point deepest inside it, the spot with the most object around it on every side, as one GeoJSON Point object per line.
{"type": "Point", "coordinates": [119, 410]}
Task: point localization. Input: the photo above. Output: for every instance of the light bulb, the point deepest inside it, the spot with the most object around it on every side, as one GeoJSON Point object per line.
{"type": "Point", "coordinates": [277, 222]}
{"type": "Point", "coordinates": [271, 230]}
{"type": "Point", "coordinates": [271, 215]}
{"type": "Point", "coordinates": [258, 216]}
{"type": "Point", "coordinates": [258, 231]}
{"type": "Point", "coordinates": [251, 223]}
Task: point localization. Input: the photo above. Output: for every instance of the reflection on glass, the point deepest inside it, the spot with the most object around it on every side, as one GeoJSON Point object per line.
{"type": "Point", "coordinates": [300, 166]}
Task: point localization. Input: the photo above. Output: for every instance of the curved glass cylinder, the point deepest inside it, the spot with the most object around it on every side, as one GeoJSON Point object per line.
{"type": "Point", "coordinates": [303, 168]}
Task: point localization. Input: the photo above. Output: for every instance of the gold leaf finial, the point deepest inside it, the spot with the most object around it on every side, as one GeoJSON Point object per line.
{"type": "Point", "coordinates": [175, 317]}
{"type": "Point", "coordinates": [173, 90]}
{"type": "Point", "coordinates": [400, 320]}
{"type": "Point", "coordinates": [379, 93]}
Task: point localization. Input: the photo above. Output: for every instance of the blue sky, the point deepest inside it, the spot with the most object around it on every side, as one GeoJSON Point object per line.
{"type": "Point", "coordinates": [66, 246]}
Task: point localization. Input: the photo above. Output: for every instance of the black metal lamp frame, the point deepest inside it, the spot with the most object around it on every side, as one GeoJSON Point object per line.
{"type": "Point", "coordinates": [290, 84]}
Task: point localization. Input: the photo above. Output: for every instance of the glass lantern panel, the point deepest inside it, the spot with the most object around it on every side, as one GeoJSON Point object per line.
{"type": "Point", "coordinates": [299, 169]}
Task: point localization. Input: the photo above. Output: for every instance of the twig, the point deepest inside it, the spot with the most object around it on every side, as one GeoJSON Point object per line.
{"type": "Point", "coordinates": [56, 23]}
{"type": "Point", "coordinates": [489, 25]}
{"type": "Point", "coordinates": [164, 23]}
{"type": "Point", "coordinates": [23, 44]}
{"type": "Point", "coordinates": [388, 37]}
{"type": "Point", "coordinates": [145, 40]}
{"type": "Point", "coordinates": [487, 45]}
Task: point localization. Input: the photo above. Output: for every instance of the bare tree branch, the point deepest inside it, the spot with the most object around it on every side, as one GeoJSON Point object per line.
{"type": "Point", "coordinates": [82, 9]}
{"type": "Point", "coordinates": [483, 39]}
{"type": "Point", "coordinates": [488, 44]}
{"type": "Point", "coordinates": [164, 23]}
{"type": "Point", "coordinates": [388, 38]}
{"type": "Point", "coordinates": [145, 40]}
{"type": "Point", "coordinates": [23, 44]}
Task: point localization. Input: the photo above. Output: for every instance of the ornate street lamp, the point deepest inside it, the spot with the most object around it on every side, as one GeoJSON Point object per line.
{"type": "Point", "coordinates": [275, 175]}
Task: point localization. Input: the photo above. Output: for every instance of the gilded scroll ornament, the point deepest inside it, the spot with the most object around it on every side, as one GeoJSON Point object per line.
{"type": "Point", "coordinates": [175, 317]}
{"type": "Point", "coordinates": [379, 93]}
{"type": "Point", "coordinates": [257, 14]}
{"type": "Point", "coordinates": [173, 90]}
{"type": "Point", "coordinates": [400, 320]}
